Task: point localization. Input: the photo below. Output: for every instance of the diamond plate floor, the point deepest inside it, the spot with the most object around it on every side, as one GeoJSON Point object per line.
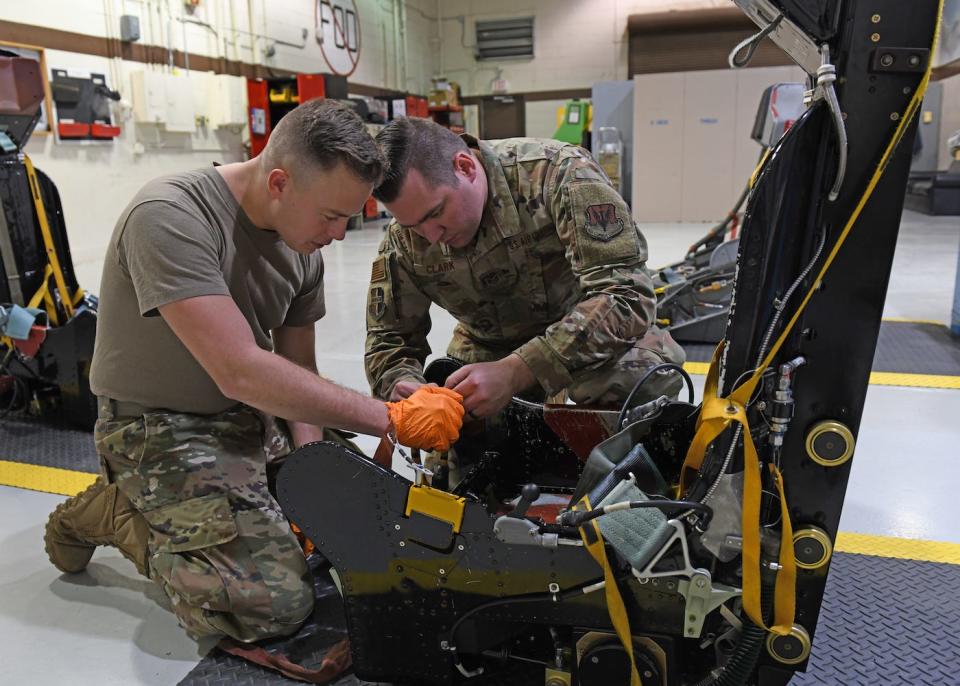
{"type": "Point", "coordinates": [33, 441]}
{"type": "Point", "coordinates": [887, 621]}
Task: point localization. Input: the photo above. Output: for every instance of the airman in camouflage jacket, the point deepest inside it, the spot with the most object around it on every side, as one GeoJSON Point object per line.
{"type": "Point", "coordinates": [556, 275]}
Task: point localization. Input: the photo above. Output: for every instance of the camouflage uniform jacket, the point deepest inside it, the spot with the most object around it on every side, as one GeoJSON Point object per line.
{"type": "Point", "coordinates": [556, 274]}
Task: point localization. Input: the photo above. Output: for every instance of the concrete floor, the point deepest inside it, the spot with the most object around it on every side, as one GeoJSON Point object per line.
{"type": "Point", "coordinates": [108, 626]}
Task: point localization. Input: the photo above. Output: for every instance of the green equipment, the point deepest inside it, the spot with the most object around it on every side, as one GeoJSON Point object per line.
{"type": "Point", "coordinates": [573, 123]}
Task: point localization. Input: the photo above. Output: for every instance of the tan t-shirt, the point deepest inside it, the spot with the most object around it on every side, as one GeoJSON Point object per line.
{"type": "Point", "coordinates": [181, 237]}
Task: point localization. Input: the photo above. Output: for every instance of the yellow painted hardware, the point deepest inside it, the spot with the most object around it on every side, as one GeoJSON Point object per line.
{"type": "Point", "coordinates": [812, 539]}
{"type": "Point", "coordinates": [791, 649]}
{"type": "Point", "coordinates": [833, 432]}
{"type": "Point", "coordinates": [437, 504]}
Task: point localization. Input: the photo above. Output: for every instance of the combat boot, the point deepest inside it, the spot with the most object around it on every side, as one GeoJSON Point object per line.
{"type": "Point", "coordinates": [100, 515]}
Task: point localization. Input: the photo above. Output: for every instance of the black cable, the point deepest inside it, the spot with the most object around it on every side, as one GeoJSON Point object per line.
{"type": "Point", "coordinates": [643, 379]}
{"type": "Point", "coordinates": [580, 517]}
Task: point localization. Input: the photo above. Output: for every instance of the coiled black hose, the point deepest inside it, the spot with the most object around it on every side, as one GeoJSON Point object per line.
{"type": "Point", "coordinates": [740, 666]}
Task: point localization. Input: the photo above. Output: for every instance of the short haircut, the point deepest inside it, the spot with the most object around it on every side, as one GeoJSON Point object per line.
{"type": "Point", "coordinates": [421, 144]}
{"type": "Point", "coordinates": [323, 133]}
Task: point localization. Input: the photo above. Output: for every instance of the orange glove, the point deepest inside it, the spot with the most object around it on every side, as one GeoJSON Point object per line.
{"type": "Point", "coordinates": [430, 418]}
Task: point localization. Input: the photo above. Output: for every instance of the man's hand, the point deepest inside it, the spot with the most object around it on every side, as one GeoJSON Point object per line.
{"type": "Point", "coordinates": [404, 389]}
{"type": "Point", "coordinates": [430, 418]}
{"type": "Point", "coordinates": [487, 387]}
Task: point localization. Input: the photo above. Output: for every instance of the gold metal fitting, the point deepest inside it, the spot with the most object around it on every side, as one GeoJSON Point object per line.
{"type": "Point", "coordinates": [830, 443]}
{"type": "Point", "coordinates": [791, 649]}
{"type": "Point", "coordinates": [812, 547]}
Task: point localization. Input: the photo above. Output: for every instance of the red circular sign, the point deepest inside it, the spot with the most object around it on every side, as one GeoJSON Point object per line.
{"type": "Point", "coordinates": [337, 29]}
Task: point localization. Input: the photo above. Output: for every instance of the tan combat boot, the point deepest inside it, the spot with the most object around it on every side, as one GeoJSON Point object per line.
{"type": "Point", "coordinates": [100, 515]}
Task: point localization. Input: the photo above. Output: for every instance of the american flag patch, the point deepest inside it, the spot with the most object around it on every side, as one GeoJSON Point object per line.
{"type": "Point", "coordinates": [379, 270]}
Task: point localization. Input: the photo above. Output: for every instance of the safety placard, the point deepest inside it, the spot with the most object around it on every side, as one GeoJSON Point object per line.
{"type": "Point", "coordinates": [337, 29]}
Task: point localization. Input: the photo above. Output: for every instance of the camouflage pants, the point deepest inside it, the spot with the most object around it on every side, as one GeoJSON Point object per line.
{"type": "Point", "coordinates": [609, 385]}
{"type": "Point", "coordinates": [219, 546]}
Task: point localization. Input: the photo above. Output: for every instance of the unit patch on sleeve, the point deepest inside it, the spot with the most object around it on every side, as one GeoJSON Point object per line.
{"type": "Point", "coordinates": [602, 223]}
{"type": "Point", "coordinates": [376, 303]}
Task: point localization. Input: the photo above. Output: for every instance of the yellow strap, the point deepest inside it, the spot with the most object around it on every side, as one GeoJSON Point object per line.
{"type": "Point", "coordinates": [615, 606]}
{"type": "Point", "coordinates": [718, 414]}
{"type": "Point", "coordinates": [51, 307]}
{"type": "Point", "coordinates": [52, 257]}
{"type": "Point", "coordinates": [756, 172]}
{"type": "Point", "coordinates": [43, 295]}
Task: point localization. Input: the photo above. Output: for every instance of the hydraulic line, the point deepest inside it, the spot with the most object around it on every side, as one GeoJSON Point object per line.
{"type": "Point", "coordinates": [740, 666]}
{"type": "Point", "coordinates": [778, 313]}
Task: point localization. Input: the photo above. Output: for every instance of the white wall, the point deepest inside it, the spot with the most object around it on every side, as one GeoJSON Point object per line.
{"type": "Point", "coordinates": [576, 43]}
{"type": "Point", "coordinates": [97, 180]}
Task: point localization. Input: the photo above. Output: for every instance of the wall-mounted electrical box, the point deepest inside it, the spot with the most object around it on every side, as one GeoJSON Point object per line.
{"type": "Point", "coordinates": [129, 28]}
{"type": "Point", "coordinates": [163, 99]}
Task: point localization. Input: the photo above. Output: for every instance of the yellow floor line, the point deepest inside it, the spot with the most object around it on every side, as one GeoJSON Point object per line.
{"type": "Point", "coordinates": [902, 548]}
{"type": "Point", "coordinates": [876, 378]}
{"type": "Point", "coordinates": [700, 368]}
{"type": "Point", "coordinates": [914, 380]}
{"type": "Point", "coordinates": [904, 320]}
{"type": "Point", "coordinates": [69, 482]}
{"type": "Point", "coordinates": [46, 479]}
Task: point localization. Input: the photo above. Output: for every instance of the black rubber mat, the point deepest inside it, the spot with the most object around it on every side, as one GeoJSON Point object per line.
{"type": "Point", "coordinates": [903, 348]}
{"type": "Point", "coordinates": [883, 621]}
{"type": "Point", "coordinates": [887, 621]}
{"type": "Point", "coordinates": [24, 439]}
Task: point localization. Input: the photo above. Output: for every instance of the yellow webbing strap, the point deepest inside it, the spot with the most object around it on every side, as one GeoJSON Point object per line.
{"type": "Point", "coordinates": [54, 261]}
{"type": "Point", "coordinates": [43, 295]}
{"type": "Point", "coordinates": [593, 542]}
{"type": "Point", "coordinates": [719, 413]}
{"type": "Point", "coordinates": [760, 165]}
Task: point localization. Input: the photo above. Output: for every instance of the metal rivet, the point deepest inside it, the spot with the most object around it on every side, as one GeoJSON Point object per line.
{"type": "Point", "coordinates": [397, 527]}
{"type": "Point", "coordinates": [914, 60]}
{"type": "Point", "coordinates": [460, 547]}
{"type": "Point", "coordinates": [875, 38]}
{"type": "Point", "coordinates": [886, 59]}
{"type": "Point", "coordinates": [402, 544]}
{"type": "Point", "coordinates": [443, 571]}
{"type": "Point", "coordinates": [875, 19]}
{"type": "Point", "coordinates": [894, 116]}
